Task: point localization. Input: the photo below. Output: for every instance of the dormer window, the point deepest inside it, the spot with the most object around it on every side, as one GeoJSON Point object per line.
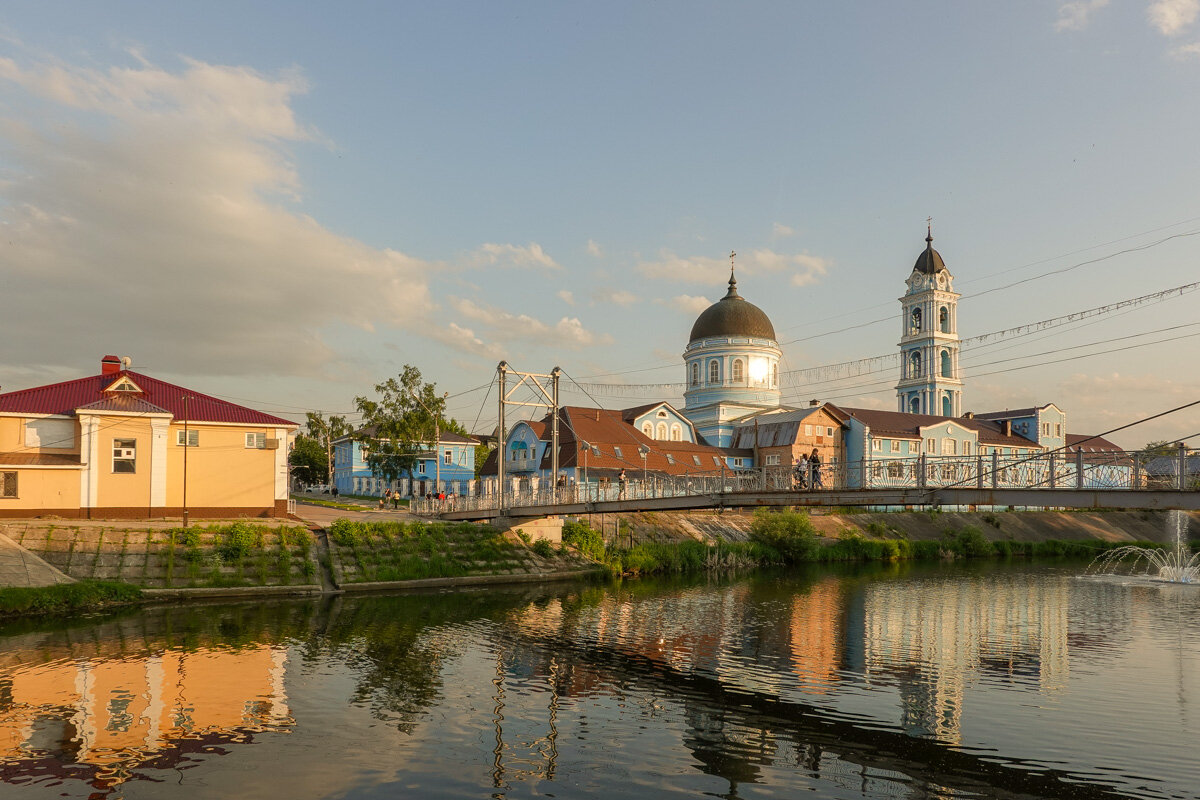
{"type": "Point", "coordinates": [124, 385]}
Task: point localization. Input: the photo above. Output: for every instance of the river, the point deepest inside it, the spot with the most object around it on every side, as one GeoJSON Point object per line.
{"type": "Point", "coordinates": [983, 679]}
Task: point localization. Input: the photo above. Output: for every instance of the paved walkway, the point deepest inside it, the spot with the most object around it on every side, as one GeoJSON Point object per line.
{"type": "Point", "coordinates": [19, 567]}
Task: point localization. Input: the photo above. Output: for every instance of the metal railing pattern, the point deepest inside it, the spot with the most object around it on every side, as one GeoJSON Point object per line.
{"type": "Point", "coordinates": [1091, 471]}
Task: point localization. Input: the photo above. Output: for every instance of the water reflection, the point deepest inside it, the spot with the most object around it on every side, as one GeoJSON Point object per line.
{"type": "Point", "coordinates": [98, 719]}
{"type": "Point", "coordinates": [881, 682]}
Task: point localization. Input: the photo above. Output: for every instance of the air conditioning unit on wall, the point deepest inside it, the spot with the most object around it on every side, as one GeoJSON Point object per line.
{"type": "Point", "coordinates": [271, 444]}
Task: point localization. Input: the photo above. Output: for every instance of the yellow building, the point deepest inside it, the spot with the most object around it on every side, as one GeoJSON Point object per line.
{"type": "Point", "coordinates": [125, 445]}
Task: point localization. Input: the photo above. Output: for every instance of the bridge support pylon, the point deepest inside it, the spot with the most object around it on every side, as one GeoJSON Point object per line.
{"type": "Point", "coordinates": [548, 528]}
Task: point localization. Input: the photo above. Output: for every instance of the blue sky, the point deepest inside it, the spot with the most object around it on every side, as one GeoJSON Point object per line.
{"type": "Point", "coordinates": [283, 205]}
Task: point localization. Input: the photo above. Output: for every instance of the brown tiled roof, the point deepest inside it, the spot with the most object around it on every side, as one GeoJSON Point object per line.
{"type": "Point", "coordinates": [129, 403]}
{"type": "Point", "coordinates": [447, 437]}
{"type": "Point", "coordinates": [1094, 444]}
{"type": "Point", "coordinates": [38, 460]}
{"type": "Point", "coordinates": [900, 425]}
{"type": "Point", "coordinates": [608, 430]}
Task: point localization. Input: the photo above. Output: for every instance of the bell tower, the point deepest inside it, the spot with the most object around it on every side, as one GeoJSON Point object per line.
{"type": "Point", "coordinates": [929, 342]}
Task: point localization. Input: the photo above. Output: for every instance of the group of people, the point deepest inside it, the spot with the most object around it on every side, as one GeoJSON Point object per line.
{"type": "Point", "coordinates": [444, 500]}
{"type": "Point", "coordinates": [390, 495]}
{"type": "Point", "coordinates": [806, 472]}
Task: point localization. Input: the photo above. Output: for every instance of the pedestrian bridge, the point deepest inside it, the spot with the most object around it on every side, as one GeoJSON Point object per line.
{"type": "Point", "coordinates": [1081, 480]}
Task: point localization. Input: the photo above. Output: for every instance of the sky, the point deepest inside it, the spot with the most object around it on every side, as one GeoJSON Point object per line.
{"type": "Point", "coordinates": [283, 205]}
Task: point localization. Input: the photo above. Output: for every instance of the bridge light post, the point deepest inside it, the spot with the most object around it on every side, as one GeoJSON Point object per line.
{"type": "Point", "coordinates": [645, 451]}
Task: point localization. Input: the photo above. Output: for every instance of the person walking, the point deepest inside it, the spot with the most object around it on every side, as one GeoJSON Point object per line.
{"type": "Point", "coordinates": [621, 485]}
{"type": "Point", "coordinates": [802, 472]}
{"type": "Point", "coordinates": [396, 499]}
{"type": "Point", "coordinates": [814, 463]}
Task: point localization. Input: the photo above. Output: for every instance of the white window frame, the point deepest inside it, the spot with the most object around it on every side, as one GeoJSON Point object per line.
{"type": "Point", "coordinates": [124, 451]}
{"type": "Point", "coordinates": [696, 460]}
{"type": "Point", "coordinates": [448, 457]}
{"type": "Point", "coordinates": [876, 445]}
{"type": "Point", "coordinates": [617, 451]}
{"type": "Point", "coordinates": [772, 460]}
{"type": "Point", "coordinates": [931, 446]}
{"type": "Point", "coordinates": [193, 437]}
{"type": "Point", "coordinates": [895, 445]}
{"type": "Point", "coordinates": [256, 441]}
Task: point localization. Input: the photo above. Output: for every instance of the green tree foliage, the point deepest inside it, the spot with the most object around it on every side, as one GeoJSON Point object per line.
{"type": "Point", "coordinates": [1161, 447]}
{"type": "Point", "coordinates": [401, 422]}
{"type": "Point", "coordinates": [789, 533]}
{"type": "Point", "coordinates": [308, 459]}
{"type": "Point", "coordinates": [325, 431]}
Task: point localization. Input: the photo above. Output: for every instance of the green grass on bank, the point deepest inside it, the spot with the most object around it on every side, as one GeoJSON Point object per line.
{"type": "Point", "coordinates": [66, 598]}
{"type": "Point", "coordinates": [393, 550]}
{"type": "Point", "coordinates": [780, 538]}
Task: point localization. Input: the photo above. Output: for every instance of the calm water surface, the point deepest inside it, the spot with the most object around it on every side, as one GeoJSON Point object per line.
{"type": "Point", "coordinates": [906, 681]}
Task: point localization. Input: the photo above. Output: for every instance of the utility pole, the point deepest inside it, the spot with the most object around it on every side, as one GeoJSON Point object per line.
{"type": "Point", "coordinates": [186, 445]}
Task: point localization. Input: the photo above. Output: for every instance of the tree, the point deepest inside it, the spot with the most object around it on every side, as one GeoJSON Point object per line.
{"type": "Point", "coordinates": [402, 423]}
{"type": "Point", "coordinates": [1161, 447]}
{"type": "Point", "coordinates": [308, 459]}
{"type": "Point", "coordinates": [325, 431]}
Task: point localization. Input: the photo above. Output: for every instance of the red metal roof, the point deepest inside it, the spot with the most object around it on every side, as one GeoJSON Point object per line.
{"type": "Point", "coordinates": [64, 398]}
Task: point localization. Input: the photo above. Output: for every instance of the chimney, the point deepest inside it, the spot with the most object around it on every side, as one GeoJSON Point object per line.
{"type": "Point", "coordinates": [969, 415]}
{"type": "Point", "coordinates": [110, 365]}
{"type": "Point", "coordinates": [814, 403]}
{"type": "Point", "coordinates": [1006, 427]}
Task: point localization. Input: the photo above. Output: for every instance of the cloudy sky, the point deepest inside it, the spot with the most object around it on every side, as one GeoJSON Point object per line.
{"type": "Point", "coordinates": [283, 206]}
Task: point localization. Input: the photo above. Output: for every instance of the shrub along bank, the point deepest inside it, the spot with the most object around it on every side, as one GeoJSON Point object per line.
{"type": "Point", "coordinates": [788, 537]}
{"type": "Point", "coordinates": [66, 598]}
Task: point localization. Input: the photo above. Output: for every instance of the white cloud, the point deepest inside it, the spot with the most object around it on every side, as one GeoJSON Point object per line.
{"type": "Point", "coordinates": [1187, 51]}
{"type": "Point", "coordinates": [465, 339]}
{"type": "Point", "coordinates": [566, 296]}
{"type": "Point", "coordinates": [1076, 15]}
{"type": "Point", "coordinates": [594, 249]}
{"type": "Point", "coordinates": [619, 297]}
{"type": "Point", "coordinates": [531, 255]}
{"type": "Point", "coordinates": [801, 269]}
{"type": "Point", "coordinates": [502, 326]}
{"type": "Point", "coordinates": [1172, 16]}
{"type": "Point", "coordinates": [782, 231]}
{"type": "Point", "coordinates": [147, 213]}
{"type": "Point", "coordinates": [689, 304]}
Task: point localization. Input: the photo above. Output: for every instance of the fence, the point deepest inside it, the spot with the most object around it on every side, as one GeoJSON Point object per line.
{"type": "Point", "coordinates": [1101, 470]}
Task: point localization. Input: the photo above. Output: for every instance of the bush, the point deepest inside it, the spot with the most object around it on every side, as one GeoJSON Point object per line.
{"type": "Point", "coordinates": [543, 548]}
{"type": "Point", "coordinates": [346, 532]}
{"type": "Point", "coordinates": [238, 540]}
{"type": "Point", "coordinates": [66, 597]}
{"type": "Point", "coordinates": [790, 534]}
{"type": "Point", "coordinates": [587, 541]}
{"type": "Point", "coordinates": [968, 542]}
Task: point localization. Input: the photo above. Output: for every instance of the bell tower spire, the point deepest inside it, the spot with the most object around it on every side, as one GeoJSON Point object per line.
{"type": "Point", "coordinates": [930, 382]}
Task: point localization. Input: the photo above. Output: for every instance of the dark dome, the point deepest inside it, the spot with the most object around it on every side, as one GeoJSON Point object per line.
{"type": "Point", "coordinates": [733, 316]}
{"type": "Point", "coordinates": [930, 261]}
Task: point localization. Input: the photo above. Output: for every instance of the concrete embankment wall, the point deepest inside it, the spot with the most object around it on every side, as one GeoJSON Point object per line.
{"type": "Point", "coordinates": [1020, 526]}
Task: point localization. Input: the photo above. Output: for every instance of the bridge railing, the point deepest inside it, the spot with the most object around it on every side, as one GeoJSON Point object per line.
{"type": "Point", "coordinates": [1101, 470]}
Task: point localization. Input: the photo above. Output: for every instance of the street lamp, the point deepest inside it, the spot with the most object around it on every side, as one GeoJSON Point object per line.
{"type": "Point", "coordinates": [644, 451]}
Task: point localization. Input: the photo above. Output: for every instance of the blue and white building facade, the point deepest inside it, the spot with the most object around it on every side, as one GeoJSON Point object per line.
{"type": "Point", "coordinates": [352, 473]}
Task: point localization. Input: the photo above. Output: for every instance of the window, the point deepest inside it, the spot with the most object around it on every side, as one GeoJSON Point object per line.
{"type": "Point", "coordinates": [876, 445]}
{"type": "Point", "coordinates": [914, 321]}
{"type": "Point", "coordinates": [446, 457]}
{"type": "Point", "coordinates": [808, 430]}
{"type": "Point", "coordinates": [193, 437]}
{"type": "Point", "coordinates": [124, 455]}
{"type": "Point", "coordinates": [966, 448]}
{"type": "Point", "coordinates": [947, 372]}
{"type": "Point", "coordinates": [714, 371]}
{"type": "Point", "coordinates": [256, 441]}
{"type": "Point", "coordinates": [774, 374]}
{"type": "Point", "coordinates": [695, 374]}
{"type": "Point", "coordinates": [662, 414]}
{"type": "Point", "coordinates": [949, 447]}
{"type": "Point", "coordinates": [737, 462]}
{"type": "Point", "coordinates": [738, 371]}
{"type": "Point", "coordinates": [670, 459]}
{"type": "Point", "coordinates": [661, 431]}
{"type": "Point", "coordinates": [595, 450]}
{"type": "Point", "coordinates": [895, 469]}
{"type": "Point", "coordinates": [676, 433]}
{"type": "Point", "coordinates": [648, 429]}
{"type": "Point", "coordinates": [617, 450]}
{"type": "Point", "coordinates": [931, 445]}
{"type": "Point", "coordinates": [8, 484]}
{"type": "Point", "coordinates": [914, 364]}
{"type": "Point", "coordinates": [773, 461]}
{"type": "Point", "coordinates": [716, 461]}
{"type": "Point", "coordinates": [895, 445]}
{"type": "Point", "coordinates": [696, 459]}
{"type": "Point", "coordinates": [1058, 430]}
{"type": "Point", "coordinates": [829, 431]}
{"type": "Point", "coordinates": [944, 319]}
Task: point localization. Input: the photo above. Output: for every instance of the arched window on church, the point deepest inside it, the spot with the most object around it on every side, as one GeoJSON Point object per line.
{"type": "Point", "coordinates": [661, 432]}
{"type": "Point", "coordinates": [695, 374]}
{"type": "Point", "coordinates": [944, 319]}
{"type": "Point", "coordinates": [914, 321]}
{"type": "Point", "coordinates": [676, 433]}
{"type": "Point", "coordinates": [774, 374]}
{"type": "Point", "coordinates": [914, 405]}
{"type": "Point", "coordinates": [738, 371]}
{"type": "Point", "coordinates": [648, 429]}
{"type": "Point", "coordinates": [714, 371]}
{"type": "Point", "coordinates": [946, 405]}
{"type": "Point", "coordinates": [914, 364]}
{"type": "Point", "coordinates": [947, 371]}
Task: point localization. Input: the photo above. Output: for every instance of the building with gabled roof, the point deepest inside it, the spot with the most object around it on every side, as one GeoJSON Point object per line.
{"type": "Point", "coordinates": [123, 444]}
{"type": "Point", "coordinates": [352, 473]}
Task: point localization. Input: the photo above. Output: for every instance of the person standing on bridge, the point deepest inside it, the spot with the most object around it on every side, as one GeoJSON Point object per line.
{"type": "Point", "coordinates": [814, 463]}
{"type": "Point", "coordinates": [621, 485]}
{"type": "Point", "coordinates": [802, 472]}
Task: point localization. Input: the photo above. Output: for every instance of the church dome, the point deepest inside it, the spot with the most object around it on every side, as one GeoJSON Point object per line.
{"type": "Point", "coordinates": [732, 315]}
{"type": "Point", "coordinates": [930, 261]}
